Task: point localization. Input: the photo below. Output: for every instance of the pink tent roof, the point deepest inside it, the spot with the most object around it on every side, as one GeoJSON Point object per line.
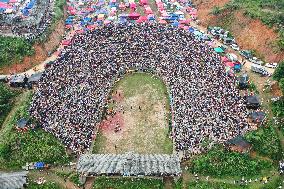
{"type": "Point", "coordinates": [13, 1]}
{"type": "Point", "coordinates": [68, 26]}
{"type": "Point", "coordinates": [66, 42]}
{"type": "Point", "coordinates": [143, 18]}
{"type": "Point", "coordinates": [144, 2]}
{"type": "Point", "coordinates": [132, 5]}
{"type": "Point", "coordinates": [5, 5]}
{"type": "Point", "coordinates": [230, 64]}
{"type": "Point", "coordinates": [224, 59]}
{"type": "Point", "coordinates": [163, 22]}
{"type": "Point", "coordinates": [113, 1]}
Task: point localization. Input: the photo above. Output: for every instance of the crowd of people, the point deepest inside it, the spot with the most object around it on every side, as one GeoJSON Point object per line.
{"type": "Point", "coordinates": [32, 26]}
{"type": "Point", "coordinates": [206, 107]}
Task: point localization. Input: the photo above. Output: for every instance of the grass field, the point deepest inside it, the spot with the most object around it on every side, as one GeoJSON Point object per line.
{"type": "Point", "coordinates": [140, 107]}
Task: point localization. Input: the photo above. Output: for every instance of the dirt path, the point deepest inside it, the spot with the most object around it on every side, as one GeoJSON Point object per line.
{"type": "Point", "coordinates": [168, 183]}
{"type": "Point", "coordinates": [89, 183]}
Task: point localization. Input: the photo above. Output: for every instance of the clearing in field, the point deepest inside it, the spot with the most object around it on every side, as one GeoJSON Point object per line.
{"type": "Point", "coordinates": [137, 118]}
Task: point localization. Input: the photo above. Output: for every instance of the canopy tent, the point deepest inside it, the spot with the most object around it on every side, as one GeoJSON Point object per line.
{"type": "Point", "coordinates": [218, 50]}
{"type": "Point", "coordinates": [134, 16]}
{"type": "Point", "coordinates": [232, 57]}
{"type": "Point", "coordinates": [22, 123]}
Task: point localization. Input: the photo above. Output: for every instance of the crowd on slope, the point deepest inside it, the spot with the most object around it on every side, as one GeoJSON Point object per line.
{"type": "Point", "coordinates": [205, 104]}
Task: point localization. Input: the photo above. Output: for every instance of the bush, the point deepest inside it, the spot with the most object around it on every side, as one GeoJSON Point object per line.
{"type": "Point", "coordinates": [278, 108]}
{"type": "Point", "coordinates": [215, 185]}
{"type": "Point", "coordinates": [281, 84]}
{"type": "Point", "coordinates": [7, 96]}
{"type": "Point", "coordinates": [266, 142]}
{"type": "Point", "coordinates": [279, 72]}
{"type": "Point", "coordinates": [13, 50]}
{"type": "Point", "coordinates": [216, 10]}
{"type": "Point", "coordinates": [129, 183]}
{"type": "Point", "coordinates": [219, 163]}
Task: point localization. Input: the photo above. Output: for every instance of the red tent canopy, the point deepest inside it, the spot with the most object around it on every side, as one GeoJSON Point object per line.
{"type": "Point", "coordinates": [224, 59]}
{"type": "Point", "coordinates": [66, 42]}
{"type": "Point", "coordinates": [133, 5]}
{"type": "Point", "coordinates": [144, 2]}
{"type": "Point", "coordinates": [162, 22]}
{"type": "Point", "coordinates": [230, 64]}
{"type": "Point", "coordinates": [134, 16]}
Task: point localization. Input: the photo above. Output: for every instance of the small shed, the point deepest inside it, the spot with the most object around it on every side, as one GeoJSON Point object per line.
{"type": "Point", "coordinates": [239, 144]}
{"type": "Point", "coordinates": [35, 78]}
{"type": "Point", "coordinates": [252, 102]}
{"type": "Point", "coordinates": [257, 116]}
{"type": "Point", "coordinates": [22, 124]}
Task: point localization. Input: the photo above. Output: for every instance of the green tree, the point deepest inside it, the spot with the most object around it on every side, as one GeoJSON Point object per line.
{"type": "Point", "coordinates": [281, 84]}
{"type": "Point", "coordinates": [6, 101]}
{"type": "Point", "coordinates": [279, 72]}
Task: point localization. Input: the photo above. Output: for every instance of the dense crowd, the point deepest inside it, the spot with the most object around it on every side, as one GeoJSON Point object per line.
{"type": "Point", "coordinates": [206, 106]}
{"type": "Point", "coordinates": [32, 26]}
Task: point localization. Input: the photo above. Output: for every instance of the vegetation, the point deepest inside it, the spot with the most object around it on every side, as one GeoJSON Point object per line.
{"type": "Point", "coordinates": [270, 12]}
{"type": "Point", "coordinates": [7, 97]}
{"type": "Point", "coordinates": [13, 50]}
{"type": "Point", "coordinates": [214, 185]}
{"type": "Point", "coordinates": [279, 72]}
{"type": "Point", "coordinates": [75, 179]}
{"type": "Point", "coordinates": [17, 148]}
{"type": "Point", "coordinates": [219, 162]}
{"type": "Point", "coordinates": [266, 142]}
{"type": "Point", "coordinates": [278, 108]}
{"type": "Point", "coordinates": [129, 183]}
{"type": "Point", "coordinates": [47, 185]}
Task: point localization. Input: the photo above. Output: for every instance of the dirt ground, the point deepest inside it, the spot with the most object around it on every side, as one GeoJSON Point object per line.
{"type": "Point", "coordinates": [138, 110]}
{"type": "Point", "coordinates": [249, 33]}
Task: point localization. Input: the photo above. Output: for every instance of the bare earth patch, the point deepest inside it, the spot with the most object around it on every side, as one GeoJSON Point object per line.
{"type": "Point", "coordinates": [138, 117]}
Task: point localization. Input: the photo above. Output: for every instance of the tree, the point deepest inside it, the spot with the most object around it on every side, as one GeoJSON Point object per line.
{"type": "Point", "coordinates": [281, 84]}
{"type": "Point", "coordinates": [279, 72]}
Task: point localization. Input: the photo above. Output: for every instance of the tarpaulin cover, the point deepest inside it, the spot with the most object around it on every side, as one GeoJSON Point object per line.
{"type": "Point", "coordinates": [218, 50]}
{"type": "Point", "coordinates": [22, 123]}
{"type": "Point", "coordinates": [39, 165]}
{"type": "Point", "coordinates": [66, 42]}
{"type": "Point", "coordinates": [230, 64]}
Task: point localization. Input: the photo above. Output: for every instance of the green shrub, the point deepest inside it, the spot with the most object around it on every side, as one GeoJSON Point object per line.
{"type": "Point", "coordinates": [7, 96]}
{"type": "Point", "coordinates": [129, 183]}
{"type": "Point", "coordinates": [75, 179]}
{"type": "Point", "coordinates": [214, 185]}
{"type": "Point", "coordinates": [47, 185]}
{"type": "Point", "coordinates": [279, 72]}
{"type": "Point", "coordinates": [216, 10]}
{"type": "Point", "coordinates": [13, 50]}
{"type": "Point", "coordinates": [219, 162]}
{"type": "Point", "coordinates": [278, 108]}
{"type": "Point", "coordinates": [266, 142]}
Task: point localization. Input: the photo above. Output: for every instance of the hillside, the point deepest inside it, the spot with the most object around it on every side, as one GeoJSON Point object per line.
{"type": "Point", "coordinates": [256, 24]}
